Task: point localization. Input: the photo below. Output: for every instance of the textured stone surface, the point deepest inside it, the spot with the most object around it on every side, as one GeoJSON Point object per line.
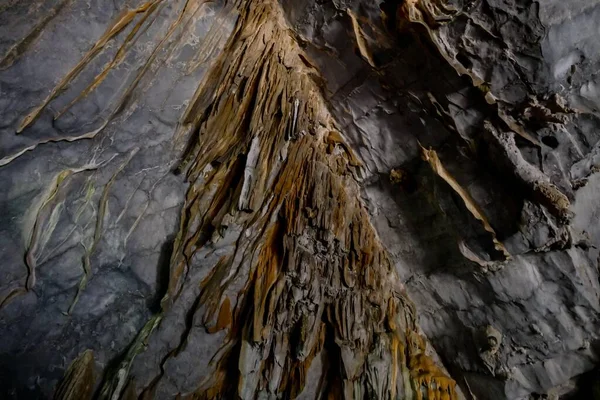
{"type": "Point", "coordinates": [545, 299]}
{"type": "Point", "coordinates": [496, 242]}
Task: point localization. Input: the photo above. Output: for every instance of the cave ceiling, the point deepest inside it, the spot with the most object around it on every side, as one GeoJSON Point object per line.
{"type": "Point", "coordinates": [264, 199]}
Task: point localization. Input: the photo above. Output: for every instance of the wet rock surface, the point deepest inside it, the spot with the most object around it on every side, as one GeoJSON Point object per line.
{"type": "Point", "coordinates": [139, 219]}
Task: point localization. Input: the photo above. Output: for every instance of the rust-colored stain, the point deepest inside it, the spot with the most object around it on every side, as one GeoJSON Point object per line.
{"type": "Point", "coordinates": [224, 318]}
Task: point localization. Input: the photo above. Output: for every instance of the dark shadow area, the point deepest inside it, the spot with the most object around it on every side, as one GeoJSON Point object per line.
{"type": "Point", "coordinates": [13, 374]}
{"type": "Point", "coordinates": [163, 272]}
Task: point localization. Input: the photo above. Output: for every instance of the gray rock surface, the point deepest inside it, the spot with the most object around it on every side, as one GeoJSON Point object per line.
{"type": "Point", "coordinates": [505, 91]}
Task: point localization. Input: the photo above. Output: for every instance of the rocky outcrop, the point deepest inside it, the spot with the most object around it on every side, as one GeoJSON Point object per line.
{"type": "Point", "coordinates": [298, 199]}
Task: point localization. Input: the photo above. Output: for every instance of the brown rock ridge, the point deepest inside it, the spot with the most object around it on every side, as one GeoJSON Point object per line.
{"type": "Point", "coordinates": [309, 270]}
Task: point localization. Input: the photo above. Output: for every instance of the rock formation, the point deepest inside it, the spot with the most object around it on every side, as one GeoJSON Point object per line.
{"type": "Point", "coordinates": [265, 199]}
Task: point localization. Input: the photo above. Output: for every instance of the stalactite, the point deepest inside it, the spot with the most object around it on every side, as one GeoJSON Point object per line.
{"type": "Point", "coordinates": [268, 158]}
{"type": "Point", "coordinates": [308, 270]}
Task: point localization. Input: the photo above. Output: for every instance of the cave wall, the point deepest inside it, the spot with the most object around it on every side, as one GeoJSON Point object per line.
{"type": "Point", "coordinates": [467, 137]}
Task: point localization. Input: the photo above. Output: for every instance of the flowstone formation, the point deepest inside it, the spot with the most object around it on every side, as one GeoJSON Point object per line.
{"type": "Point", "coordinates": [298, 199]}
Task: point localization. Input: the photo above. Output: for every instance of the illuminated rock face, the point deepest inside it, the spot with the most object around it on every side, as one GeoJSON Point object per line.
{"type": "Point", "coordinates": [299, 199]}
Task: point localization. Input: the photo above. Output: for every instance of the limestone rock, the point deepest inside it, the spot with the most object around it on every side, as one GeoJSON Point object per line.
{"type": "Point", "coordinates": [299, 199]}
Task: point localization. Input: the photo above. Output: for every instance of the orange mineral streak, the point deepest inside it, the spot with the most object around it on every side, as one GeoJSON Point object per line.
{"type": "Point", "coordinates": [426, 375]}
{"type": "Point", "coordinates": [148, 10]}
{"type": "Point", "coordinates": [266, 274]}
{"type": "Point", "coordinates": [122, 21]}
{"type": "Point", "coordinates": [224, 318]}
{"type": "Point", "coordinates": [210, 294]}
